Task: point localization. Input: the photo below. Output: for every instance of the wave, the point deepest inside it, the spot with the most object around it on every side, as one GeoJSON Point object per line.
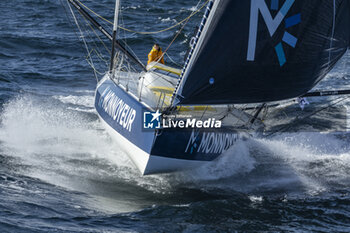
{"type": "Point", "coordinates": [71, 149]}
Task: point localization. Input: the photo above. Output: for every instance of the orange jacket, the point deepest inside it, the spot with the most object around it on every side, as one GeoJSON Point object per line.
{"type": "Point", "coordinates": [154, 55]}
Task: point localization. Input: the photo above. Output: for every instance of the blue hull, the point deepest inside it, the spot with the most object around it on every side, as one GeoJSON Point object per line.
{"type": "Point", "coordinates": [156, 151]}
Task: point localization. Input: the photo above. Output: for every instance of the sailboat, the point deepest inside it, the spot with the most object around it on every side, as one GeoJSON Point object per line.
{"type": "Point", "coordinates": [253, 53]}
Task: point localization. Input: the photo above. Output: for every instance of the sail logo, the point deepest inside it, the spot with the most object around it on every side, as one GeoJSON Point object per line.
{"type": "Point", "coordinates": [117, 109]}
{"type": "Point", "coordinates": [260, 6]}
{"type": "Point", "coordinates": [210, 142]}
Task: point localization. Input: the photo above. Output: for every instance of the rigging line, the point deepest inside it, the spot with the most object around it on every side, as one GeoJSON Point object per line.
{"type": "Point", "coordinates": [172, 60]}
{"type": "Point", "coordinates": [147, 33]}
{"type": "Point", "coordinates": [70, 23]}
{"type": "Point", "coordinates": [337, 101]}
{"type": "Point", "coordinates": [107, 34]}
{"type": "Point", "coordinates": [256, 115]}
{"type": "Point", "coordinates": [104, 45]}
{"type": "Point", "coordinates": [165, 51]}
{"type": "Point", "coordinates": [332, 37]}
{"type": "Point", "coordinates": [82, 36]}
{"type": "Point", "coordinates": [169, 28]}
{"type": "Point", "coordinates": [96, 46]}
{"type": "Point", "coordinates": [93, 49]}
{"type": "Point", "coordinates": [102, 5]}
{"type": "Point", "coordinates": [87, 33]}
{"type": "Point", "coordinates": [93, 67]}
{"type": "Point", "coordinates": [112, 8]}
{"type": "Point", "coordinates": [90, 64]}
{"type": "Point", "coordinates": [100, 56]}
{"type": "Point", "coordinates": [96, 49]}
{"type": "Point", "coordinates": [177, 34]}
{"type": "Point", "coordinates": [125, 37]}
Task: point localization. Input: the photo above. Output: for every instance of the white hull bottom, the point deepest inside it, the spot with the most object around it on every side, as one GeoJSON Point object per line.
{"type": "Point", "coordinates": [150, 164]}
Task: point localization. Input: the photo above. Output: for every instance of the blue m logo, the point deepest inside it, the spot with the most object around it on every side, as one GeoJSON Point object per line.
{"type": "Point", "coordinates": [272, 26]}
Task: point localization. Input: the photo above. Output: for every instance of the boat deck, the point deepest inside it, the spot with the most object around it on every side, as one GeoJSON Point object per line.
{"type": "Point", "coordinates": [155, 89]}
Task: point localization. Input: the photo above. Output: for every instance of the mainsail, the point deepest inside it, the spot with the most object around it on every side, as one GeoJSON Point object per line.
{"type": "Point", "coordinates": [256, 51]}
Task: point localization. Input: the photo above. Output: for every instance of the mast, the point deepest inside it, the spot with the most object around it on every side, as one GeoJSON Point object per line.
{"type": "Point", "coordinates": [114, 36]}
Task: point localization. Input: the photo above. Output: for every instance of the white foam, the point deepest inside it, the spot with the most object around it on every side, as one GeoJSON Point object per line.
{"type": "Point", "coordinates": [89, 110]}
{"type": "Point", "coordinates": [235, 161]}
{"type": "Point", "coordinates": [49, 136]}
{"type": "Point", "coordinates": [85, 100]}
{"type": "Point", "coordinates": [316, 159]}
{"type": "Point", "coordinates": [256, 199]}
{"type": "Point", "coordinates": [168, 20]}
{"type": "Point", "coordinates": [72, 150]}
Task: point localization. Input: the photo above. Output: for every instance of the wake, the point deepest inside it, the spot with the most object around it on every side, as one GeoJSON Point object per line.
{"type": "Point", "coordinates": [70, 148]}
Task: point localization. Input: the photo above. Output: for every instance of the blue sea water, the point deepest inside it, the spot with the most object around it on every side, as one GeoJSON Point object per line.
{"type": "Point", "coordinates": [60, 171]}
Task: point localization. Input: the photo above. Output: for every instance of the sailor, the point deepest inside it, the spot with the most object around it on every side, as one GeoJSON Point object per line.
{"type": "Point", "coordinates": [156, 54]}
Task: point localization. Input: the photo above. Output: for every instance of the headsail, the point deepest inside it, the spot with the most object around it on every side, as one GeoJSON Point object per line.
{"type": "Point", "coordinates": [264, 50]}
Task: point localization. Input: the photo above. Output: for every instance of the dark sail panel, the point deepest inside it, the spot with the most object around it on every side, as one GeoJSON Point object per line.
{"type": "Point", "coordinates": [265, 50]}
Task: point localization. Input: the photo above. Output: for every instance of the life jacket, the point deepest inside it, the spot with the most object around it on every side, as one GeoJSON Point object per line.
{"type": "Point", "coordinates": [154, 55]}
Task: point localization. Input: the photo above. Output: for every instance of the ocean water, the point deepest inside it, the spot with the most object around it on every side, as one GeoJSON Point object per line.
{"type": "Point", "coordinates": [60, 171]}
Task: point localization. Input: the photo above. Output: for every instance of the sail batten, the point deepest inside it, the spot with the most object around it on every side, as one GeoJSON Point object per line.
{"type": "Point", "coordinates": [255, 51]}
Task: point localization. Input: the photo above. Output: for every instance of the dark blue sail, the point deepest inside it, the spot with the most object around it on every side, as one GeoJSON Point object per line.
{"type": "Point", "coordinates": [256, 51]}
